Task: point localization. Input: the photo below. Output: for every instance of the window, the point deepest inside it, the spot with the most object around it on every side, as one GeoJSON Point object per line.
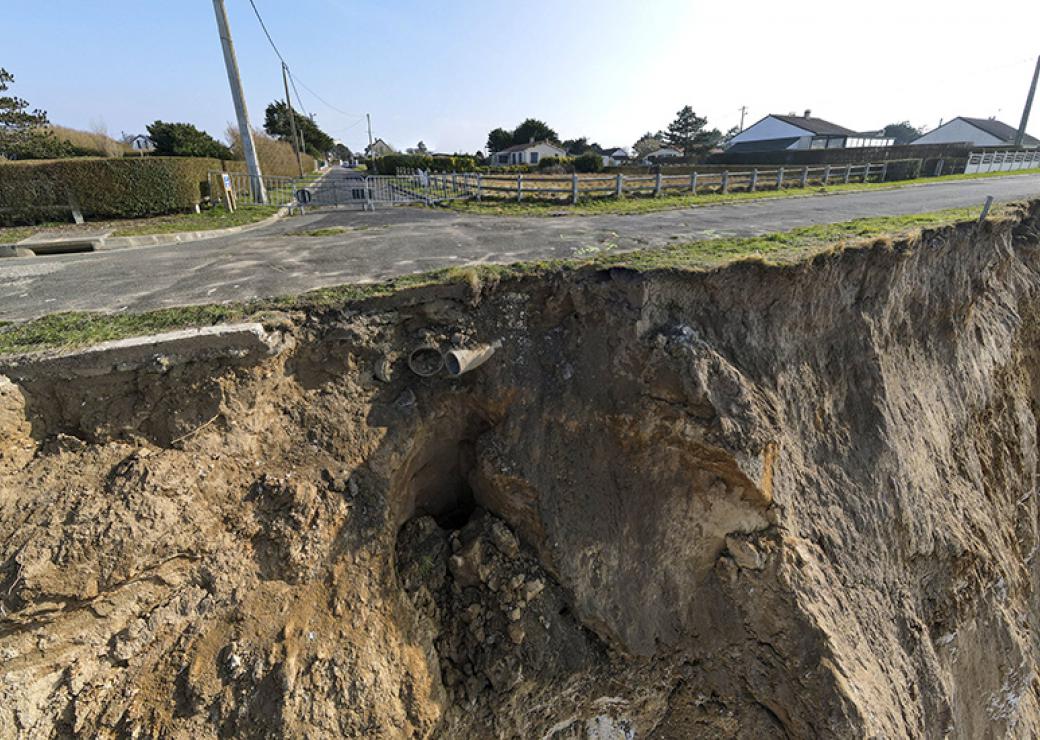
{"type": "Point", "coordinates": [503, 159]}
{"type": "Point", "coordinates": [534, 157]}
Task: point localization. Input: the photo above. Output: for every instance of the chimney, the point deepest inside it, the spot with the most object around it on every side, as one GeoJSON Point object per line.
{"type": "Point", "coordinates": [808, 112]}
{"type": "Point", "coordinates": [532, 140]}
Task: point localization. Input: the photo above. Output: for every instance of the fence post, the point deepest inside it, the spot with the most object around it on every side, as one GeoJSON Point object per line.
{"type": "Point", "coordinates": [826, 175]}
{"type": "Point", "coordinates": [519, 188]}
{"type": "Point", "coordinates": [754, 179]}
{"type": "Point", "coordinates": [693, 183]}
{"type": "Point", "coordinates": [780, 178]}
{"type": "Point", "coordinates": [725, 181]}
{"type": "Point", "coordinates": [848, 172]}
{"type": "Point", "coordinates": [657, 184]}
{"type": "Point", "coordinates": [805, 176]}
{"type": "Point", "coordinates": [884, 171]}
{"type": "Point", "coordinates": [574, 188]}
{"type": "Point", "coordinates": [619, 186]}
{"type": "Point", "coordinates": [480, 187]}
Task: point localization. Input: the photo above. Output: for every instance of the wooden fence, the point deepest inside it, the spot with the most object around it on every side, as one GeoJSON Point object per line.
{"type": "Point", "coordinates": [573, 188]}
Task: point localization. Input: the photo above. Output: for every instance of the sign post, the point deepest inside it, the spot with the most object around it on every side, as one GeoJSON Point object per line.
{"type": "Point", "coordinates": [229, 192]}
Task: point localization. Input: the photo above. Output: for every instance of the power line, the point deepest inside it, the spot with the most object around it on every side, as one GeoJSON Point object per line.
{"type": "Point", "coordinates": [293, 78]}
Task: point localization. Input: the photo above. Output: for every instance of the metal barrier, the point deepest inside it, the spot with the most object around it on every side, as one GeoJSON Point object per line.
{"type": "Point", "coordinates": [1003, 161]}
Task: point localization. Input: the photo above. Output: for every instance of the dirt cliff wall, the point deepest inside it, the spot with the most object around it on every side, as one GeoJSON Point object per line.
{"type": "Point", "coordinates": [756, 502]}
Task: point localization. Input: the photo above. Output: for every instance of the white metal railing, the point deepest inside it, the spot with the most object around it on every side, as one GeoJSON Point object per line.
{"type": "Point", "coordinates": [1002, 161]}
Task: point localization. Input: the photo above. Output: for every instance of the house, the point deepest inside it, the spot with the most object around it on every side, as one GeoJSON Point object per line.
{"type": "Point", "coordinates": [665, 152]}
{"type": "Point", "coordinates": [530, 153]}
{"type": "Point", "coordinates": [777, 133]}
{"type": "Point", "coordinates": [615, 156]}
{"type": "Point", "coordinates": [379, 148]}
{"type": "Point", "coordinates": [141, 143]}
{"type": "Point", "coordinates": [975, 131]}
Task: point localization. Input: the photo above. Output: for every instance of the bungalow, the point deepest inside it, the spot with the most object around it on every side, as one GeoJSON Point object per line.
{"type": "Point", "coordinates": [379, 148]}
{"type": "Point", "coordinates": [615, 156]}
{"type": "Point", "coordinates": [665, 152]}
{"type": "Point", "coordinates": [530, 153]}
{"type": "Point", "coordinates": [975, 131]}
{"type": "Point", "coordinates": [777, 133]}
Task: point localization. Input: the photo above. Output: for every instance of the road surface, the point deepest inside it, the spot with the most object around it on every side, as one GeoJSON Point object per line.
{"type": "Point", "coordinates": [378, 245]}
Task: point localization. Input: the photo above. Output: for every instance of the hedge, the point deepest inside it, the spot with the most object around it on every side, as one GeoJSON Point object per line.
{"type": "Point", "coordinates": [102, 187]}
{"type": "Point", "coordinates": [389, 164]}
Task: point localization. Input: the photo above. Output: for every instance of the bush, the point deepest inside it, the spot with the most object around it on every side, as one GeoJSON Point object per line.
{"type": "Point", "coordinates": [903, 169]}
{"type": "Point", "coordinates": [103, 188]}
{"type": "Point", "coordinates": [389, 164]}
{"type": "Point", "coordinates": [277, 158]}
{"type": "Point", "coordinates": [588, 162]}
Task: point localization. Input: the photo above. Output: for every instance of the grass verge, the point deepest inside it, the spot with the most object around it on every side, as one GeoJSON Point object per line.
{"type": "Point", "coordinates": [649, 204]}
{"type": "Point", "coordinates": [77, 329]}
{"type": "Point", "coordinates": [214, 218]}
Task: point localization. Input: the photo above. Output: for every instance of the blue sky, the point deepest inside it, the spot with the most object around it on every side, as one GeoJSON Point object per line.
{"type": "Point", "coordinates": [450, 71]}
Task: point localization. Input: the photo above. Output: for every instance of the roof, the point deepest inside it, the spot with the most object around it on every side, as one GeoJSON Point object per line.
{"type": "Point", "coordinates": [528, 145]}
{"type": "Point", "coordinates": [1001, 130]}
{"type": "Point", "coordinates": [815, 125]}
{"type": "Point", "coordinates": [762, 145]}
{"type": "Point", "coordinates": [614, 150]}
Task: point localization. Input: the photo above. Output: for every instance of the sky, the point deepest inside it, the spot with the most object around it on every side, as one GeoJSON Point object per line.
{"type": "Point", "coordinates": [448, 72]}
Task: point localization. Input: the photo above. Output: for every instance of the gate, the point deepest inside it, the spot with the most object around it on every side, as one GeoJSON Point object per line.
{"type": "Point", "coordinates": [343, 188]}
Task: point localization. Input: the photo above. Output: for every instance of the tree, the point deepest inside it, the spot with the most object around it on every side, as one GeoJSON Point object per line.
{"type": "Point", "coordinates": [23, 132]}
{"type": "Point", "coordinates": [647, 143]}
{"type": "Point", "coordinates": [419, 148]}
{"type": "Point", "coordinates": [534, 129]}
{"type": "Point", "coordinates": [687, 133]}
{"type": "Point", "coordinates": [902, 132]}
{"type": "Point", "coordinates": [576, 147]}
{"type": "Point", "coordinates": [276, 122]}
{"type": "Point", "coordinates": [184, 140]}
{"type": "Point", "coordinates": [499, 139]}
{"type": "Point", "coordinates": [342, 152]}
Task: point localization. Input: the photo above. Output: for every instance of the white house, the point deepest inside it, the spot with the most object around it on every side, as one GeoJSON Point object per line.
{"type": "Point", "coordinates": [778, 133]}
{"type": "Point", "coordinates": [142, 143]}
{"type": "Point", "coordinates": [975, 131]}
{"type": "Point", "coordinates": [614, 157]}
{"type": "Point", "coordinates": [530, 153]}
{"type": "Point", "coordinates": [665, 152]}
{"type": "Point", "coordinates": [379, 148]}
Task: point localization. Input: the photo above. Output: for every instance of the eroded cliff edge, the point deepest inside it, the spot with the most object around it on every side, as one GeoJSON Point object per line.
{"type": "Point", "coordinates": [754, 502]}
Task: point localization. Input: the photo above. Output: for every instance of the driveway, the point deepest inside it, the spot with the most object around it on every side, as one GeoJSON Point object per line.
{"type": "Point", "coordinates": [378, 245]}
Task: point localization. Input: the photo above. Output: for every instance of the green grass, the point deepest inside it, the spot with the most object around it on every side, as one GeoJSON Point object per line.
{"type": "Point", "coordinates": [327, 231]}
{"type": "Point", "coordinates": [649, 204]}
{"type": "Point", "coordinates": [67, 330]}
{"type": "Point", "coordinates": [214, 218]}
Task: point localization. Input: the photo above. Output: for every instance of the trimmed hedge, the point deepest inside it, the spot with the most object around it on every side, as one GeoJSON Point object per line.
{"type": "Point", "coordinates": [102, 187]}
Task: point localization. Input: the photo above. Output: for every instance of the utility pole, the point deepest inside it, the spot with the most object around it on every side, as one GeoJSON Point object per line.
{"type": "Point", "coordinates": [239, 98]}
{"type": "Point", "coordinates": [292, 118]}
{"type": "Point", "coordinates": [1029, 104]}
{"type": "Point", "coordinates": [743, 110]}
{"type": "Point", "coordinates": [370, 152]}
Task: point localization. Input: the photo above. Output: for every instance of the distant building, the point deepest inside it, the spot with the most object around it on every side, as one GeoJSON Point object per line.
{"type": "Point", "coordinates": [379, 148]}
{"type": "Point", "coordinates": [615, 156]}
{"type": "Point", "coordinates": [141, 143]}
{"type": "Point", "coordinates": [778, 133]}
{"type": "Point", "coordinates": [975, 131]}
{"type": "Point", "coordinates": [530, 153]}
{"type": "Point", "coordinates": [665, 152]}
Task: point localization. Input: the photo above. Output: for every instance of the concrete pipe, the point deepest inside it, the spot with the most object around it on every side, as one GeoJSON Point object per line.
{"type": "Point", "coordinates": [425, 360]}
{"type": "Point", "coordinates": [459, 361]}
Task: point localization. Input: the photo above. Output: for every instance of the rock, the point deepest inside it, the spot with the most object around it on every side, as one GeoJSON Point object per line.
{"type": "Point", "coordinates": [516, 633]}
{"type": "Point", "coordinates": [504, 540]}
{"type": "Point", "coordinates": [744, 553]}
{"type": "Point", "coordinates": [533, 588]}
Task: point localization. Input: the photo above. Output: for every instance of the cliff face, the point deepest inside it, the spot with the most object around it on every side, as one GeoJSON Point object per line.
{"type": "Point", "coordinates": [755, 502]}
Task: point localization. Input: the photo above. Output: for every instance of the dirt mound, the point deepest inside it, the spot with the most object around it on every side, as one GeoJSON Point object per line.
{"type": "Point", "coordinates": [759, 502]}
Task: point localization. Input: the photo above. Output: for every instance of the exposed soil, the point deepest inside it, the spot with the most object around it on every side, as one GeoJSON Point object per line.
{"type": "Point", "coordinates": [755, 502]}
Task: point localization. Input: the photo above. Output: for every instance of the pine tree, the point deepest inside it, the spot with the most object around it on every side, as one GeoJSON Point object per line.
{"type": "Point", "coordinates": [687, 133]}
{"type": "Point", "coordinates": [23, 132]}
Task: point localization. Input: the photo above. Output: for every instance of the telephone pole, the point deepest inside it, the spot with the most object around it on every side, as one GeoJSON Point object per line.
{"type": "Point", "coordinates": [370, 152]}
{"type": "Point", "coordinates": [239, 98]}
{"type": "Point", "coordinates": [743, 110]}
{"type": "Point", "coordinates": [292, 118]}
{"type": "Point", "coordinates": [1029, 104]}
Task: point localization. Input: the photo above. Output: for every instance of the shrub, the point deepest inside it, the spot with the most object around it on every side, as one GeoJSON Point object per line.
{"type": "Point", "coordinates": [903, 169]}
{"type": "Point", "coordinates": [89, 143]}
{"type": "Point", "coordinates": [103, 188]}
{"type": "Point", "coordinates": [184, 140]}
{"type": "Point", "coordinates": [277, 157]}
{"type": "Point", "coordinates": [588, 162]}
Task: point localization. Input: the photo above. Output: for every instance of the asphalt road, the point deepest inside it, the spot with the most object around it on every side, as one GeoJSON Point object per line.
{"type": "Point", "coordinates": [382, 244]}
